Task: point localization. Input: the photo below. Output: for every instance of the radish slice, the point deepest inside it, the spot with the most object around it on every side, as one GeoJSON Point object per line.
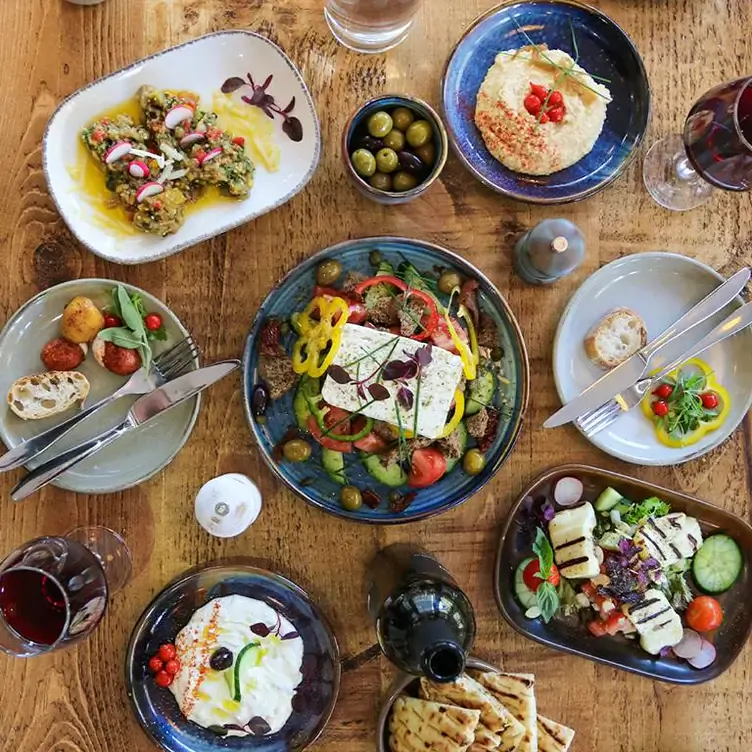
{"type": "Point", "coordinates": [705, 657]}
{"type": "Point", "coordinates": [689, 646]}
{"type": "Point", "coordinates": [138, 169]}
{"type": "Point", "coordinates": [117, 151]}
{"type": "Point", "coordinates": [191, 138]}
{"type": "Point", "coordinates": [178, 114]}
{"type": "Point", "coordinates": [568, 491]}
{"type": "Point", "coordinates": [173, 154]}
{"type": "Point", "coordinates": [215, 152]}
{"type": "Point", "coordinates": [151, 188]}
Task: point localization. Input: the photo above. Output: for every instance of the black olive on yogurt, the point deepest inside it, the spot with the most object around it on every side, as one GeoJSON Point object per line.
{"type": "Point", "coordinates": [221, 659]}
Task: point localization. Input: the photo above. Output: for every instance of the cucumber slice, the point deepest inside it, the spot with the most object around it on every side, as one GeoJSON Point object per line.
{"type": "Point", "coordinates": [718, 564]}
{"type": "Point", "coordinates": [334, 464]}
{"type": "Point", "coordinates": [610, 541]}
{"type": "Point", "coordinates": [526, 597]}
{"type": "Point", "coordinates": [308, 387]}
{"type": "Point", "coordinates": [392, 476]}
{"type": "Point", "coordinates": [451, 462]}
{"type": "Point", "coordinates": [480, 393]}
{"type": "Point", "coordinates": [607, 500]}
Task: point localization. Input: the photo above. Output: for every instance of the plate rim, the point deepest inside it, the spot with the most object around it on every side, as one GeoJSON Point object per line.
{"type": "Point", "coordinates": [60, 482]}
{"type": "Point", "coordinates": [177, 247]}
{"type": "Point", "coordinates": [574, 299]}
{"type": "Point", "coordinates": [251, 566]}
{"type": "Point", "coordinates": [582, 195]}
{"type": "Point", "coordinates": [523, 378]}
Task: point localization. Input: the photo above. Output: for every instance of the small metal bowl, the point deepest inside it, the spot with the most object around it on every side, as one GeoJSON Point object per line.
{"type": "Point", "coordinates": [391, 101]}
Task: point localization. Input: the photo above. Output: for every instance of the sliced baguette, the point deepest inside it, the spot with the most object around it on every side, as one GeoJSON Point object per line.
{"type": "Point", "coordinates": [45, 394]}
{"type": "Point", "coordinates": [616, 337]}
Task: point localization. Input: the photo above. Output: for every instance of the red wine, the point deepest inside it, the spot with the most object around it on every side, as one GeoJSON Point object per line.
{"type": "Point", "coordinates": [33, 605]}
{"type": "Point", "coordinates": [718, 135]}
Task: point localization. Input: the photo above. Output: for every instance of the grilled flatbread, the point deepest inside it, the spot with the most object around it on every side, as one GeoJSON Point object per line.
{"type": "Point", "coordinates": [417, 725]}
{"type": "Point", "coordinates": [485, 740]}
{"type": "Point", "coordinates": [553, 736]}
{"type": "Point", "coordinates": [517, 693]}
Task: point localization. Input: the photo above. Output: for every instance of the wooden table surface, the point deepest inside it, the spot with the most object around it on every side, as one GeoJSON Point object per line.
{"type": "Point", "coordinates": [75, 700]}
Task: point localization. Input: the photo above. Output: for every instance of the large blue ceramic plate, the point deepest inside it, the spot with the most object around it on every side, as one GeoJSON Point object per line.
{"type": "Point", "coordinates": [308, 479]}
{"type": "Point", "coordinates": [156, 708]}
{"type": "Point", "coordinates": [604, 50]}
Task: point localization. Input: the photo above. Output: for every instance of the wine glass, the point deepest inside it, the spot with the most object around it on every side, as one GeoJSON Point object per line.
{"type": "Point", "coordinates": [54, 590]}
{"type": "Point", "coordinates": [715, 151]}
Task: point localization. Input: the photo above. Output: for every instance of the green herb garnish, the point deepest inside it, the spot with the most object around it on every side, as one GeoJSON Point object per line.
{"type": "Point", "coordinates": [134, 335]}
{"type": "Point", "coordinates": [652, 507]}
{"type": "Point", "coordinates": [548, 598]}
{"type": "Point", "coordinates": [685, 409]}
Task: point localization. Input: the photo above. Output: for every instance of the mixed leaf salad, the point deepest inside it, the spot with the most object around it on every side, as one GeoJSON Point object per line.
{"type": "Point", "coordinates": [632, 568]}
{"type": "Point", "coordinates": [399, 373]}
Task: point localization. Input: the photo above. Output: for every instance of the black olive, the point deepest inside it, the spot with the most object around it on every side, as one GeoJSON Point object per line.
{"type": "Point", "coordinates": [410, 162]}
{"type": "Point", "coordinates": [221, 659]}
{"type": "Point", "coordinates": [370, 143]}
{"type": "Point", "coordinates": [259, 400]}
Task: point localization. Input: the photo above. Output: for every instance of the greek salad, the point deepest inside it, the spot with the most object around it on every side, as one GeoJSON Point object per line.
{"type": "Point", "coordinates": [626, 567]}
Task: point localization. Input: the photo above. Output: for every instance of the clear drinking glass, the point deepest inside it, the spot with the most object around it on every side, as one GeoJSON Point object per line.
{"type": "Point", "coordinates": [715, 150]}
{"type": "Point", "coordinates": [370, 25]}
{"type": "Point", "coordinates": [54, 590]}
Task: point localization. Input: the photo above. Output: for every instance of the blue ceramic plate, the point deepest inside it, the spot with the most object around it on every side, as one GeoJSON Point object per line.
{"type": "Point", "coordinates": [604, 50]}
{"type": "Point", "coordinates": [308, 480]}
{"type": "Point", "coordinates": [156, 709]}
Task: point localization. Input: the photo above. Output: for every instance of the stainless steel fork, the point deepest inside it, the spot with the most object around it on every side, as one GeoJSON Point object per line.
{"type": "Point", "coordinates": [165, 366]}
{"type": "Point", "coordinates": [596, 420]}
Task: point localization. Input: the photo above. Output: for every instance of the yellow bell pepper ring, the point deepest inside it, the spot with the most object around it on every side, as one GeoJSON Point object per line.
{"type": "Point", "coordinates": [676, 401]}
{"type": "Point", "coordinates": [319, 339]}
{"type": "Point", "coordinates": [459, 411]}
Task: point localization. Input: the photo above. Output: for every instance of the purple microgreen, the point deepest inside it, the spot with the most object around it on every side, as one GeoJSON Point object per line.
{"type": "Point", "coordinates": [548, 511]}
{"type": "Point", "coordinates": [258, 726]}
{"type": "Point", "coordinates": [405, 397]}
{"type": "Point", "coordinates": [260, 629]}
{"type": "Point", "coordinates": [291, 126]}
{"type": "Point", "coordinates": [361, 390]}
{"type": "Point", "coordinates": [290, 106]}
{"type": "Point", "coordinates": [232, 84]}
{"type": "Point", "coordinates": [423, 355]}
{"type": "Point", "coordinates": [339, 374]}
{"type": "Point", "coordinates": [290, 636]}
{"type": "Point", "coordinates": [268, 80]}
{"type": "Point", "coordinates": [379, 392]}
{"type": "Point", "coordinates": [399, 369]}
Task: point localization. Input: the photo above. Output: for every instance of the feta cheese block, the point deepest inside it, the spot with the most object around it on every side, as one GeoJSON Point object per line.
{"type": "Point", "coordinates": [571, 533]}
{"type": "Point", "coordinates": [362, 354]}
{"type": "Point", "coordinates": [658, 625]}
{"type": "Point", "coordinates": [669, 539]}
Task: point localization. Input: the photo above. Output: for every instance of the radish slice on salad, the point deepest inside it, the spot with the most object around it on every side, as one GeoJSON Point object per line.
{"type": "Point", "coordinates": [177, 115]}
{"type": "Point", "coordinates": [215, 152]}
{"type": "Point", "coordinates": [689, 646]}
{"type": "Point", "coordinates": [568, 491]}
{"type": "Point", "coordinates": [152, 188]}
{"type": "Point", "coordinates": [192, 138]}
{"type": "Point", "coordinates": [138, 169]}
{"type": "Point", "coordinates": [117, 151]}
{"type": "Point", "coordinates": [705, 657]}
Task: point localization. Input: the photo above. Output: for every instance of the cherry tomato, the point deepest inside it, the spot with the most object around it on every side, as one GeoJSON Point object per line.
{"type": "Point", "coordinates": [163, 679]}
{"type": "Point", "coordinates": [616, 622]}
{"type": "Point", "coordinates": [556, 114]}
{"type": "Point", "coordinates": [110, 321]}
{"type": "Point", "coordinates": [597, 627]}
{"type": "Point", "coordinates": [172, 667]}
{"type": "Point", "coordinates": [153, 321]}
{"type": "Point", "coordinates": [167, 652]}
{"type": "Point", "coordinates": [371, 444]}
{"type": "Point", "coordinates": [555, 99]}
{"type": "Point", "coordinates": [155, 664]}
{"type": "Point", "coordinates": [531, 579]}
{"type": "Point", "coordinates": [539, 91]}
{"type": "Point", "coordinates": [327, 441]}
{"type": "Point", "coordinates": [238, 141]}
{"type": "Point", "coordinates": [428, 466]}
{"type": "Point", "coordinates": [664, 391]}
{"type": "Point", "coordinates": [441, 337]}
{"type": "Point", "coordinates": [709, 400]}
{"type": "Point", "coordinates": [660, 408]}
{"type": "Point", "coordinates": [532, 104]}
{"type": "Point", "coordinates": [357, 313]}
{"type": "Point", "coordinates": [704, 614]}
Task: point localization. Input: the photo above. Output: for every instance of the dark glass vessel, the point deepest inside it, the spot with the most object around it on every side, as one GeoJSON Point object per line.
{"type": "Point", "coordinates": [424, 623]}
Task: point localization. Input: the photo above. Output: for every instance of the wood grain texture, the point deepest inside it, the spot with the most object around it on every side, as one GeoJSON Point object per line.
{"type": "Point", "coordinates": [76, 700]}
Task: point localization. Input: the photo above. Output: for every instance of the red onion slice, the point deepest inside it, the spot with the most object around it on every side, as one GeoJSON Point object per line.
{"type": "Point", "coordinates": [689, 645]}
{"type": "Point", "coordinates": [705, 657]}
{"type": "Point", "coordinates": [568, 491]}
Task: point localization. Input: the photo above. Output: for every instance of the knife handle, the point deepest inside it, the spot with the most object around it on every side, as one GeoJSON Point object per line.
{"type": "Point", "coordinates": [709, 305]}
{"type": "Point", "coordinates": [59, 464]}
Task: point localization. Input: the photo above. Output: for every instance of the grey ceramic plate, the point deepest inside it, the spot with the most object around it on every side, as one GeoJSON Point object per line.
{"type": "Point", "coordinates": [129, 461]}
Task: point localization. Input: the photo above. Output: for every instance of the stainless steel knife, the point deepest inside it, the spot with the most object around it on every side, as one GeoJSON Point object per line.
{"type": "Point", "coordinates": [144, 409]}
{"type": "Point", "coordinates": [634, 368]}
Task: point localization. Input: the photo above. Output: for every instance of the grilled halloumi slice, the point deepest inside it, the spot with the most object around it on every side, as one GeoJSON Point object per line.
{"type": "Point", "coordinates": [571, 533]}
{"type": "Point", "coordinates": [669, 539]}
{"type": "Point", "coordinates": [658, 625]}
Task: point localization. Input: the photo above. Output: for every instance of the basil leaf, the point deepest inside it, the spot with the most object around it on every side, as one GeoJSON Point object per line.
{"type": "Point", "coordinates": [131, 316]}
{"type": "Point", "coordinates": [544, 552]}
{"type": "Point", "coordinates": [548, 601]}
{"type": "Point", "coordinates": [121, 337]}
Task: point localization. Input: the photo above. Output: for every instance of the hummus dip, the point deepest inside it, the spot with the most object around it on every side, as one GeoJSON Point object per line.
{"type": "Point", "coordinates": [523, 142]}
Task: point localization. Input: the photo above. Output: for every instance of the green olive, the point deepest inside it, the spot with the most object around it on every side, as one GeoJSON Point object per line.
{"type": "Point", "coordinates": [473, 461]}
{"type": "Point", "coordinates": [395, 140]}
{"type": "Point", "coordinates": [497, 354]}
{"type": "Point", "coordinates": [379, 124]}
{"type": "Point", "coordinates": [381, 182]}
{"type": "Point", "coordinates": [327, 272]}
{"type": "Point", "coordinates": [284, 328]}
{"type": "Point", "coordinates": [419, 133]}
{"type": "Point", "coordinates": [402, 118]}
{"type": "Point", "coordinates": [404, 181]}
{"type": "Point", "coordinates": [364, 162]}
{"type": "Point", "coordinates": [426, 153]}
{"type": "Point", "coordinates": [386, 160]}
{"type": "Point", "coordinates": [448, 281]}
{"type": "Point", "coordinates": [374, 258]}
{"type": "Point", "coordinates": [296, 450]}
{"type": "Point", "coordinates": [350, 498]}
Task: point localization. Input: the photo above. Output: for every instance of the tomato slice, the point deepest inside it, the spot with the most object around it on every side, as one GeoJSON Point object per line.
{"type": "Point", "coordinates": [327, 441]}
{"type": "Point", "coordinates": [531, 579]}
{"type": "Point", "coordinates": [371, 444]}
{"type": "Point", "coordinates": [704, 614]}
{"type": "Point", "coordinates": [597, 627]}
{"type": "Point", "coordinates": [357, 313]}
{"type": "Point", "coordinates": [616, 623]}
{"type": "Point", "coordinates": [441, 337]}
{"type": "Point", "coordinates": [428, 466]}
